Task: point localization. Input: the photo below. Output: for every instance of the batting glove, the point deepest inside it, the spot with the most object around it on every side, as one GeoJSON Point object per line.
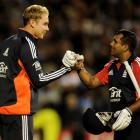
{"type": "Point", "coordinates": [69, 59]}
{"type": "Point", "coordinates": [79, 57]}
{"type": "Point", "coordinates": [123, 120]}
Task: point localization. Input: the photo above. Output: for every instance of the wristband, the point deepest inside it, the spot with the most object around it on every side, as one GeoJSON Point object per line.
{"type": "Point", "coordinates": [129, 110]}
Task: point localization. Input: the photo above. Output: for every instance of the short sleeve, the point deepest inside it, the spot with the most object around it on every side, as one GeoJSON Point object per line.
{"type": "Point", "coordinates": [103, 74]}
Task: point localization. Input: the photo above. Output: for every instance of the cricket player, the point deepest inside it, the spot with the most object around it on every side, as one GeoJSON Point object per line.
{"type": "Point", "coordinates": [21, 75]}
{"type": "Point", "coordinates": [124, 100]}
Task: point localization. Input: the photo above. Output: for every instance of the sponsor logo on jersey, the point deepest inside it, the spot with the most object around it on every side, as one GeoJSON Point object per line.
{"type": "Point", "coordinates": [115, 94]}
{"type": "Point", "coordinates": [37, 65]}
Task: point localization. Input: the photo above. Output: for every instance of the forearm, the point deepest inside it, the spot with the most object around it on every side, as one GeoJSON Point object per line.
{"type": "Point", "coordinates": [87, 79]}
{"type": "Point", "coordinates": [40, 79]}
{"type": "Point", "coordinates": [135, 107]}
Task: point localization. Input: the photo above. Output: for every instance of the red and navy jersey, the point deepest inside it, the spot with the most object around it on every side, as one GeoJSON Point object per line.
{"type": "Point", "coordinates": [121, 88]}
{"type": "Point", "coordinates": [20, 72]}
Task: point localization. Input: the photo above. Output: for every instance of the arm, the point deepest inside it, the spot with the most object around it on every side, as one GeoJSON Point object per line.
{"type": "Point", "coordinates": [135, 107]}
{"type": "Point", "coordinates": [29, 59]}
{"type": "Point", "coordinates": [89, 80]}
{"type": "Point", "coordinates": [101, 78]}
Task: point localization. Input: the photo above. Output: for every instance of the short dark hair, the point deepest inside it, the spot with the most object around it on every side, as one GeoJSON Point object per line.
{"type": "Point", "coordinates": [129, 38]}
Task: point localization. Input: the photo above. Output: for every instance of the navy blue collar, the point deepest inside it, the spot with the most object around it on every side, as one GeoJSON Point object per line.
{"type": "Point", "coordinates": [23, 33]}
{"type": "Point", "coordinates": [132, 58]}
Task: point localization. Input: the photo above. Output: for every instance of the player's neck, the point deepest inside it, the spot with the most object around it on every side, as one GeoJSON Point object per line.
{"type": "Point", "coordinates": [125, 56]}
{"type": "Point", "coordinates": [28, 29]}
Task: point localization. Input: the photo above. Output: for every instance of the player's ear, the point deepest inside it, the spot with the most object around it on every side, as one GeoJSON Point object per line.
{"type": "Point", "coordinates": [32, 23]}
{"type": "Point", "coordinates": [125, 47]}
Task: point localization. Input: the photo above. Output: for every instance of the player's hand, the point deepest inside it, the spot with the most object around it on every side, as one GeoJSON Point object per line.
{"type": "Point", "coordinates": [79, 58]}
{"type": "Point", "coordinates": [69, 59]}
{"type": "Point", "coordinates": [123, 120]}
{"type": "Point", "coordinates": [79, 64]}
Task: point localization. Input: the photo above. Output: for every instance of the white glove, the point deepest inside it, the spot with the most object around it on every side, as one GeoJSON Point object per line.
{"type": "Point", "coordinates": [69, 59]}
{"type": "Point", "coordinates": [123, 120]}
{"type": "Point", "coordinates": [79, 57]}
{"type": "Point", "coordinates": [104, 117]}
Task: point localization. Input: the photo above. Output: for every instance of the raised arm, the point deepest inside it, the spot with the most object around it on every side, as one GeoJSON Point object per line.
{"type": "Point", "coordinates": [87, 79]}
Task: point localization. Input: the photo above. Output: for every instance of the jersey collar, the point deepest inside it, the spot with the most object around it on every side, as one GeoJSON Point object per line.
{"type": "Point", "coordinates": [25, 33]}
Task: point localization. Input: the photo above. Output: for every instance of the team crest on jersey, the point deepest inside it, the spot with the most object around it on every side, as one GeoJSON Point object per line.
{"type": "Point", "coordinates": [124, 74]}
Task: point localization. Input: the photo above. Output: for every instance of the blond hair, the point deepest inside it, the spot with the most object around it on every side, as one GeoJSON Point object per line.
{"type": "Point", "coordinates": [34, 12]}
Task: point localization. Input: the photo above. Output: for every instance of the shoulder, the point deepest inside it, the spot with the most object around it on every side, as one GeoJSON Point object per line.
{"type": "Point", "coordinates": [11, 42]}
{"type": "Point", "coordinates": [30, 42]}
{"type": "Point", "coordinates": [15, 41]}
{"type": "Point", "coordinates": [11, 39]}
{"type": "Point", "coordinates": [108, 64]}
{"type": "Point", "coordinates": [136, 62]}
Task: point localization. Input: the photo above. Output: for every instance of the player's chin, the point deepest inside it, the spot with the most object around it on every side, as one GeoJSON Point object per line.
{"type": "Point", "coordinates": [41, 37]}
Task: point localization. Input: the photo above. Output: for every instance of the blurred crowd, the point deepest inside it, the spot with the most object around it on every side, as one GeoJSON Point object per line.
{"type": "Point", "coordinates": [86, 27]}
